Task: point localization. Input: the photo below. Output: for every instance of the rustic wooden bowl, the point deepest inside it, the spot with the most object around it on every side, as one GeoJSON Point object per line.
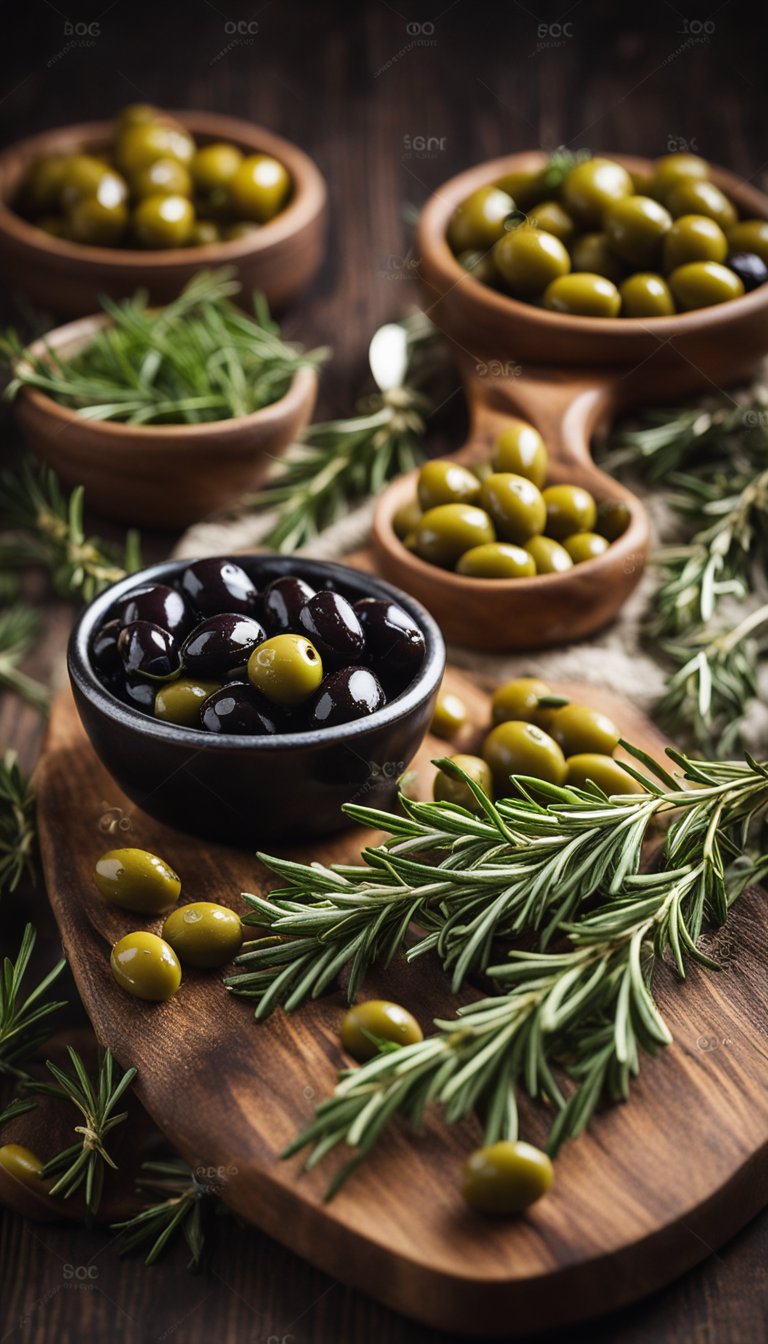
{"type": "Point", "coordinates": [157, 475]}
{"type": "Point", "coordinates": [69, 278]}
{"type": "Point", "coordinates": [567, 376]}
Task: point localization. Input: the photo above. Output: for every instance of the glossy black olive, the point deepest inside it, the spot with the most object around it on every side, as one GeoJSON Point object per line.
{"type": "Point", "coordinates": [146, 650]}
{"type": "Point", "coordinates": [392, 638]}
{"type": "Point", "coordinates": [221, 642]}
{"type": "Point", "coordinates": [329, 622]}
{"type": "Point", "coordinates": [352, 693]}
{"type": "Point", "coordinates": [239, 709]}
{"type": "Point", "coordinates": [159, 604]}
{"type": "Point", "coordinates": [104, 654]}
{"type": "Point", "coordinates": [751, 269]}
{"type": "Point", "coordinates": [282, 601]}
{"type": "Point", "coordinates": [215, 585]}
{"type": "Point", "coordinates": [140, 694]}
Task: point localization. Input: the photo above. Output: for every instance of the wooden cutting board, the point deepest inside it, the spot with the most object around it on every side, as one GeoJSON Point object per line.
{"type": "Point", "coordinates": [654, 1188]}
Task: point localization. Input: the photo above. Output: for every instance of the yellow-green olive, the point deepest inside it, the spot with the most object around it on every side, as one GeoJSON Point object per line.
{"type": "Point", "coordinates": [578, 729]}
{"type": "Point", "coordinates": [552, 218]}
{"type": "Point", "coordinates": [22, 1164]}
{"type": "Point", "coordinates": [446, 483]}
{"type": "Point", "coordinates": [447, 790]}
{"type": "Point", "coordinates": [590, 187]}
{"type": "Point", "coordinates": [518, 699]}
{"type": "Point", "coordinates": [700, 284]}
{"type": "Point", "coordinates": [548, 555]}
{"type": "Point", "coordinates": [702, 198]}
{"type": "Point", "coordinates": [214, 166]}
{"type": "Point", "coordinates": [635, 228]}
{"type": "Point", "coordinates": [497, 560]}
{"type": "Point", "coordinates": [85, 175]}
{"type": "Point", "coordinates": [365, 1024]}
{"type": "Point", "coordinates": [590, 252]}
{"type": "Point", "coordinates": [449, 715]}
{"type": "Point", "coordinates": [750, 235]}
{"type": "Point", "coordinates": [529, 259]}
{"type": "Point", "coordinates": [136, 880]}
{"type": "Point", "coordinates": [204, 934]}
{"type": "Point", "coordinates": [673, 169]}
{"type": "Point", "coordinates": [141, 144]}
{"type": "Point", "coordinates": [583, 546]}
{"type": "Point", "coordinates": [95, 222]}
{"type": "Point", "coordinates": [407, 518]}
{"type": "Point", "coordinates": [445, 533]}
{"type": "Point", "coordinates": [525, 186]}
{"type": "Point", "coordinates": [260, 187]}
{"type": "Point", "coordinates": [42, 187]}
{"type": "Point", "coordinates": [287, 669]}
{"type": "Point", "coordinates": [515, 504]}
{"type": "Point", "coordinates": [164, 177]}
{"type": "Point", "coordinates": [516, 748]}
{"type": "Point", "coordinates": [136, 114]}
{"type": "Point", "coordinates": [694, 238]}
{"type": "Point", "coordinates": [607, 774]}
{"type": "Point", "coordinates": [506, 1177]}
{"type": "Point", "coordinates": [163, 221]}
{"type": "Point", "coordinates": [519, 448]}
{"type": "Point", "coordinates": [569, 508]}
{"type": "Point", "coordinates": [613, 519]}
{"type": "Point", "coordinates": [479, 220]}
{"type": "Point", "coordinates": [146, 966]}
{"type": "Point", "coordinates": [646, 294]}
{"type": "Point", "coordinates": [180, 701]}
{"type": "Point", "coordinates": [583, 295]}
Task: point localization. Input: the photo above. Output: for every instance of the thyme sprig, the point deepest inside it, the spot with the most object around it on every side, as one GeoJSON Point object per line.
{"type": "Point", "coordinates": [181, 1207]}
{"type": "Point", "coordinates": [22, 1014]}
{"type": "Point", "coordinates": [18, 830]}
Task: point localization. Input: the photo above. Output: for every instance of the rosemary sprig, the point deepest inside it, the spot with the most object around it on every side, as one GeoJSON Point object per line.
{"type": "Point", "coordinates": [19, 629]}
{"type": "Point", "coordinates": [20, 1015]}
{"type": "Point", "coordinates": [84, 1162]}
{"type": "Point", "coordinates": [14, 1109]}
{"type": "Point", "coordinates": [182, 1208]}
{"type": "Point", "coordinates": [18, 833]}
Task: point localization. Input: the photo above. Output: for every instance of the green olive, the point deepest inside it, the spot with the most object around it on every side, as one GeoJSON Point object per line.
{"type": "Point", "coordinates": [516, 748]}
{"type": "Point", "coordinates": [694, 238]}
{"type": "Point", "coordinates": [515, 504]}
{"type": "Point", "coordinates": [214, 166]}
{"type": "Point", "coordinates": [529, 259]}
{"type": "Point", "coordinates": [613, 519]}
{"type": "Point", "coordinates": [673, 169]}
{"type": "Point", "coordinates": [145, 966]}
{"type": "Point", "coordinates": [22, 1165]}
{"type": "Point", "coordinates": [702, 198]}
{"type": "Point", "coordinates": [526, 186]}
{"type": "Point", "coordinates": [590, 252]}
{"type": "Point", "coordinates": [204, 233]}
{"type": "Point", "coordinates": [85, 175]}
{"type": "Point", "coordinates": [480, 266]}
{"type": "Point", "coordinates": [142, 143]}
{"type": "Point", "coordinates": [164, 177]}
{"type": "Point", "coordinates": [497, 560]}
{"type": "Point", "coordinates": [583, 546]}
{"type": "Point", "coordinates": [583, 295]}
{"type": "Point", "coordinates": [447, 790]}
{"type": "Point", "coordinates": [552, 218]}
{"type": "Point", "coordinates": [607, 774]}
{"type": "Point", "coordinates": [136, 880]}
{"type": "Point", "coordinates": [445, 533]}
{"type": "Point", "coordinates": [42, 187]}
{"type": "Point", "coordinates": [446, 483]}
{"type": "Point", "coordinates": [479, 220]}
{"type": "Point", "coordinates": [260, 187]}
{"type": "Point", "coordinates": [204, 934]}
{"type": "Point", "coordinates": [702, 283]}
{"type": "Point", "coordinates": [97, 223]}
{"type": "Point", "coordinates": [406, 519]}
{"type": "Point", "coordinates": [635, 229]}
{"type": "Point", "coordinates": [569, 508]}
{"type": "Point", "coordinates": [366, 1024]}
{"type": "Point", "coordinates": [646, 294]}
{"type": "Point", "coordinates": [506, 1177]}
{"type": "Point", "coordinates": [548, 556]}
{"type": "Point", "coordinates": [518, 699]}
{"type": "Point", "coordinates": [135, 114]}
{"type": "Point", "coordinates": [287, 669]}
{"type": "Point", "coordinates": [750, 235]}
{"type": "Point", "coordinates": [180, 701]}
{"type": "Point", "coordinates": [163, 221]}
{"type": "Point", "coordinates": [578, 729]}
{"type": "Point", "coordinates": [590, 187]}
{"type": "Point", "coordinates": [450, 714]}
{"type": "Point", "coordinates": [519, 448]}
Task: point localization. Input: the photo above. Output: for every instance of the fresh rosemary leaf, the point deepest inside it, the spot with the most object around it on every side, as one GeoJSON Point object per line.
{"type": "Point", "coordinates": [182, 1207]}
{"type": "Point", "coordinates": [18, 832]}
{"type": "Point", "coordinates": [22, 1015]}
{"type": "Point", "coordinates": [19, 629]}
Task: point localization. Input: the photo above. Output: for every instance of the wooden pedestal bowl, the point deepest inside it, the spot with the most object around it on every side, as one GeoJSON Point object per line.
{"type": "Point", "coordinates": [568, 376]}
{"type": "Point", "coordinates": [69, 278]}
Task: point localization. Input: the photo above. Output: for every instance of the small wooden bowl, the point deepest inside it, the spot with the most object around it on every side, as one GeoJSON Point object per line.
{"type": "Point", "coordinates": [69, 278]}
{"type": "Point", "coordinates": [164, 476]}
{"type": "Point", "coordinates": [568, 376]}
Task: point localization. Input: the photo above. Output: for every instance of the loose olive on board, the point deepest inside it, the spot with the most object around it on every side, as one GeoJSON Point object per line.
{"type": "Point", "coordinates": [287, 669]}
{"type": "Point", "coordinates": [449, 715]}
{"type": "Point", "coordinates": [497, 560]}
{"type": "Point", "coordinates": [446, 483]}
{"type": "Point", "coordinates": [548, 555]}
{"type": "Point", "coordinates": [569, 508]}
{"type": "Point", "coordinates": [515, 506]}
{"type": "Point", "coordinates": [516, 748]}
{"type": "Point", "coordinates": [590, 187]}
{"type": "Point", "coordinates": [448, 790]}
{"type": "Point", "coordinates": [700, 284]}
{"type": "Point", "coordinates": [181, 701]}
{"type": "Point", "coordinates": [445, 533]}
{"type": "Point", "coordinates": [578, 729]}
{"type": "Point", "coordinates": [506, 1177]}
{"type": "Point", "coordinates": [645, 294]}
{"type": "Point", "coordinates": [365, 1024]}
{"type": "Point", "coordinates": [136, 880]}
{"type": "Point", "coordinates": [528, 260]}
{"type": "Point", "coordinates": [518, 699]}
{"type": "Point", "coordinates": [583, 546]}
{"type": "Point", "coordinates": [583, 295]}
{"type": "Point", "coordinates": [519, 448]}
{"type": "Point", "coordinates": [22, 1165]}
{"type": "Point", "coordinates": [635, 228]}
{"type": "Point", "coordinates": [607, 774]}
{"type": "Point", "coordinates": [145, 966]}
{"type": "Point", "coordinates": [479, 220]}
{"type": "Point", "coordinates": [344, 696]}
{"type": "Point", "coordinates": [204, 934]}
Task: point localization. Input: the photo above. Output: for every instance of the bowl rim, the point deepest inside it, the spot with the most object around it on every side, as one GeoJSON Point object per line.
{"type": "Point", "coordinates": [432, 235]}
{"type": "Point", "coordinates": [83, 677]}
{"type": "Point", "coordinates": [307, 201]}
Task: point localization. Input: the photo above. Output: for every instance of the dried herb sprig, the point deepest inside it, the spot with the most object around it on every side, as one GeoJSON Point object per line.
{"type": "Point", "coordinates": [182, 1206]}
{"type": "Point", "coordinates": [22, 1013]}
{"type": "Point", "coordinates": [18, 831]}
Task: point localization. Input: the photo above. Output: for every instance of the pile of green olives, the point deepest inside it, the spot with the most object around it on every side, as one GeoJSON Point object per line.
{"type": "Point", "coordinates": [153, 186]}
{"type": "Point", "coordinates": [540, 734]}
{"type": "Point", "coordinates": [606, 243]}
{"type": "Point", "coordinates": [500, 520]}
{"type": "Point", "coordinates": [214, 654]}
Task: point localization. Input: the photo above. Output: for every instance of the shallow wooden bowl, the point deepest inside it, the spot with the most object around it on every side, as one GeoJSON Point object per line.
{"type": "Point", "coordinates": [567, 376]}
{"type": "Point", "coordinates": [69, 278]}
{"type": "Point", "coordinates": [157, 475]}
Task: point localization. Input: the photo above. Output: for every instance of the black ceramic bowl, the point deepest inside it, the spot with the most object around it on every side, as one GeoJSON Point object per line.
{"type": "Point", "coordinates": [249, 790]}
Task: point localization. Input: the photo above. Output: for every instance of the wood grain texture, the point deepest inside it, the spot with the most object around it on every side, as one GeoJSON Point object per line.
{"type": "Point", "coordinates": [230, 1095]}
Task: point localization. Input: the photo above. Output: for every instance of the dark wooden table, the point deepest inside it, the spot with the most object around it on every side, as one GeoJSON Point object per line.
{"type": "Point", "coordinates": [390, 99]}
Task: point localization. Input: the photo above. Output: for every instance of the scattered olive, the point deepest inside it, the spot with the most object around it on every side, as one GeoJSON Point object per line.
{"type": "Point", "coordinates": [136, 880]}
{"type": "Point", "coordinates": [449, 715]}
{"type": "Point", "coordinates": [506, 1177]}
{"type": "Point", "coordinates": [366, 1024]}
{"type": "Point", "coordinates": [607, 774]}
{"type": "Point", "coordinates": [204, 934]}
{"type": "Point", "coordinates": [516, 748]}
{"type": "Point", "coordinates": [22, 1164]}
{"type": "Point", "coordinates": [448, 790]}
{"type": "Point", "coordinates": [578, 729]}
{"type": "Point", "coordinates": [146, 966]}
{"type": "Point", "coordinates": [518, 699]}
{"type": "Point", "coordinates": [287, 669]}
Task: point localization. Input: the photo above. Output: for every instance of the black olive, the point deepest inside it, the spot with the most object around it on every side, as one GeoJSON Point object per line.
{"type": "Point", "coordinates": [159, 604]}
{"type": "Point", "coordinates": [329, 621]}
{"type": "Point", "coordinates": [352, 693]}
{"type": "Point", "coordinates": [221, 642]}
{"type": "Point", "coordinates": [394, 641]}
{"type": "Point", "coordinates": [239, 709]}
{"type": "Point", "coordinates": [282, 602]}
{"type": "Point", "coordinates": [104, 654]}
{"type": "Point", "coordinates": [140, 694]}
{"type": "Point", "coordinates": [751, 269]}
{"type": "Point", "coordinates": [147, 650]}
{"type": "Point", "coordinates": [215, 585]}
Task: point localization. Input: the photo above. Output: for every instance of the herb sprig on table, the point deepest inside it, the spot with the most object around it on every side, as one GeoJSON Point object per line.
{"type": "Point", "coordinates": [181, 1206]}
